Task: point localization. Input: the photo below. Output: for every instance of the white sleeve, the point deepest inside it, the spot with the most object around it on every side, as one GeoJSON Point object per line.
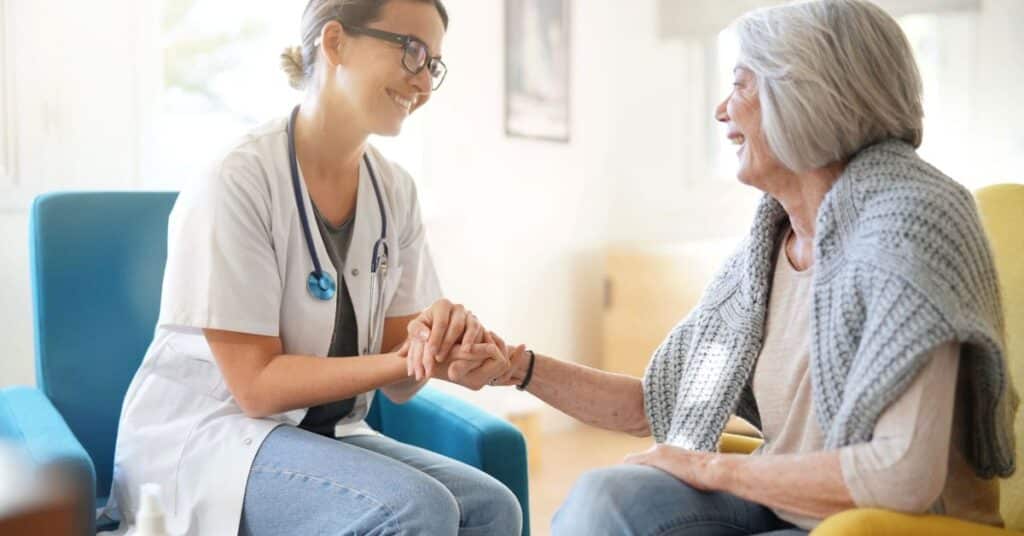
{"type": "Point", "coordinates": [419, 286]}
{"type": "Point", "coordinates": [904, 466]}
{"type": "Point", "coordinates": [222, 271]}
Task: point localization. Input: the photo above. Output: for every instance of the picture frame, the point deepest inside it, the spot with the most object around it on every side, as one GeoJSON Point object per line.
{"type": "Point", "coordinates": [537, 69]}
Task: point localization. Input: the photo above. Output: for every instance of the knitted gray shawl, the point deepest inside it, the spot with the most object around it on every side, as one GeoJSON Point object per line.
{"type": "Point", "coordinates": [901, 265]}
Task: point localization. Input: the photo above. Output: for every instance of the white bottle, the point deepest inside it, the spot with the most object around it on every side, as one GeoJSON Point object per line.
{"type": "Point", "coordinates": [149, 520]}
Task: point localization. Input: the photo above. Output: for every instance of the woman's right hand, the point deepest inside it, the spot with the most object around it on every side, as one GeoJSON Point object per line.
{"type": "Point", "coordinates": [435, 332]}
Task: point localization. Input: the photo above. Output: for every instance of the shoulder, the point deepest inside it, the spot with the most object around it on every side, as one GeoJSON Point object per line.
{"type": "Point", "coordinates": [905, 206]}
{"type": "Point", "coordinates": [248, 170]}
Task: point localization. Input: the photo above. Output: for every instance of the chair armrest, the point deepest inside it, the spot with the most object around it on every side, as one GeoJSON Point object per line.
{"type": "Point", "coordinates": [29, 420]}
{"type": "Point", "coordinates": [877, 522]}
{"type": "Point", "coordinates": [738, 444]}
{"type": "Point", "coordinates": [450, 426]}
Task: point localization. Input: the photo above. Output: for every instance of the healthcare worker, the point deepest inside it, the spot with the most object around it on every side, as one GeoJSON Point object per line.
{"type": "Point", "coordinates": [304, 242]}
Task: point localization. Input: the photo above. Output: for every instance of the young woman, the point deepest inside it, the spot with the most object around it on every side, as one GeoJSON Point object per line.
{"type": "Point", "coordinates": [306, 242]}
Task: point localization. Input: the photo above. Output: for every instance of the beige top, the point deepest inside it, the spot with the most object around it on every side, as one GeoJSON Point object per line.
{"type": "Point", "coordinates": [908, 465]}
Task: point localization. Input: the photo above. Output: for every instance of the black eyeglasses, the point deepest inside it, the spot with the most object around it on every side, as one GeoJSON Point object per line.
{"type": "Point", "coordinates": [415, 54]}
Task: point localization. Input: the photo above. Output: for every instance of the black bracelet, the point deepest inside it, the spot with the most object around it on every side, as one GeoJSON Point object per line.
{"type": "Point", "coordinates": [529, 372]}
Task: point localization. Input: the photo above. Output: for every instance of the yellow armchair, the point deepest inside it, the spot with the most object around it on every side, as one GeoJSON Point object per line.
{"type": "Point", "coordinates": [1002, 214]}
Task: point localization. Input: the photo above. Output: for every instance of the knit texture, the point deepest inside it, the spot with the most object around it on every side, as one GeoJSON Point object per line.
{"type": "Point", "coordinates": [902, 265]}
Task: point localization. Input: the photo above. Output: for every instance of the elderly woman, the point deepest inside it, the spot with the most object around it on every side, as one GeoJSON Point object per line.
{"type": "Point", "coordinates": [858, 325]}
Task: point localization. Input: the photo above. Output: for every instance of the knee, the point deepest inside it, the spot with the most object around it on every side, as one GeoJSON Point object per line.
{"type": "Point", "coordinates": [502, 507]}
{"type": "Point", "coordinates": [427, 508]}
{"type": "Point", "coordinates": [597, 504]}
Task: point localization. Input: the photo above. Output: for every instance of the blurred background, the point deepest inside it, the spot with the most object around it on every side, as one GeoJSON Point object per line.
{"type": "Point", "coordinates": [576, 190]}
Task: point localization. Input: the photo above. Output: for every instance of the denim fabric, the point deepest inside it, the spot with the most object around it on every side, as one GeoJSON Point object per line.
{"type": "Point", "coordinates": [304, 483]}
{"type": "Point", "coordinates": [644, 501]}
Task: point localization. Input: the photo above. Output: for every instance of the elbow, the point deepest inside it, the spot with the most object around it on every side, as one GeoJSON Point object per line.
{"type": "Point", "coordinates": [253, 405]}
{"type": "Point", "coordinates": [911, 492]}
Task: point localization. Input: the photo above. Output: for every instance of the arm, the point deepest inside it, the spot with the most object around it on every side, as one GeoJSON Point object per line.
{"type": "Point", "coordinates": [902, 468]}
{"type": "Point", "coordinates": [604, 399]}
{"type": "Point", "coordinates": [265, 381]}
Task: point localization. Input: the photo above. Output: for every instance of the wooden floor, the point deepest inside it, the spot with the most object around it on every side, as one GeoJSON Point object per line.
{"type": "Point", "coordinates": [564, 456]}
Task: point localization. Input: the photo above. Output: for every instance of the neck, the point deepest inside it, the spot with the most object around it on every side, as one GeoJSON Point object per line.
{"type": "Point", "coordinates": [801, 195]}
{"type": "Point", "coordinates": [327, 142]}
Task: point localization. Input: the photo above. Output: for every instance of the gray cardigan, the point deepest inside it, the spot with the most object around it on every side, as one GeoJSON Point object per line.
{"type": "Point", "coordinates": [902, 265]}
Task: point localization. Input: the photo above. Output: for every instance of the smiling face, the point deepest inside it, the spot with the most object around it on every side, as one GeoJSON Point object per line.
{"type": "Point", "coordinates": [741, 113]}
{"type": "Point", "coordinates": [380, 91]}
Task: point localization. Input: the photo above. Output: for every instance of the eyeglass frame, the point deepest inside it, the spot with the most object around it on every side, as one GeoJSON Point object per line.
{"type": "Point", "coordinates": [404, 40]}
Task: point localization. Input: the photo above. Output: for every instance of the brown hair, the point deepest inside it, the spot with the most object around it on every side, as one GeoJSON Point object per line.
{"type": "Point", "coordinates": [298, 62]}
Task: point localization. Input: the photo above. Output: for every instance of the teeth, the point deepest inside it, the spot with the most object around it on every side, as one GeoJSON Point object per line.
{"type": "Point", "coordinates": [737, 140]}
{"type": "Point", "coordinates": [401, 101]}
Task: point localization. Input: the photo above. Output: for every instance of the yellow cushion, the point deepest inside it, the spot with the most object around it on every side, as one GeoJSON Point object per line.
{"type": "Point", "coordinates": [737, 444]}
{"type": "Point", "coordinates": [875, 522]}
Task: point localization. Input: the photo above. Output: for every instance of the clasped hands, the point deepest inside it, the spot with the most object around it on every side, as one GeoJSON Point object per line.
{"type": "Point", "coordinates": [448, 342]}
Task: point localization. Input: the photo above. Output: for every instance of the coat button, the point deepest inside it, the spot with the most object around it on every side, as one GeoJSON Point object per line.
{"type": "Point", "coordinates": [248, 441]}
{"type": "Point", "coordinates": [355, 272]}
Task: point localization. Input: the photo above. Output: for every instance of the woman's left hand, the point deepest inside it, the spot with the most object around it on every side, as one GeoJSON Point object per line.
{"type": "Point", "coordinates": [700, 470]}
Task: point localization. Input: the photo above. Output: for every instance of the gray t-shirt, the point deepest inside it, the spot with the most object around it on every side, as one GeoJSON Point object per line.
{"type": "Point", "coordinates": [344, 343]}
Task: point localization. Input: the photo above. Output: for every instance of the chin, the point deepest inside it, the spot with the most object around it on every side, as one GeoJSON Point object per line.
{"type": "Point", "coordinates": [389, 129]}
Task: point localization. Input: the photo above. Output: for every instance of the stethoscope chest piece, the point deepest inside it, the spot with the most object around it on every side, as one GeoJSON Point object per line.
{"type": "Point", "coordinates": [321, 286]}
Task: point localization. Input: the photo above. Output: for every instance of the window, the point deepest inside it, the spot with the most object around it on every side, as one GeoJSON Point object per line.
{"type": "Point", "coordinates": [943, 45]}
{"type": "Point", "coordinates": [221, 78]}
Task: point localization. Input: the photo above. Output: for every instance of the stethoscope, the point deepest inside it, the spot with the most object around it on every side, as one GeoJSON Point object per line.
{"type": "Point", "coordinates": [320, 284]}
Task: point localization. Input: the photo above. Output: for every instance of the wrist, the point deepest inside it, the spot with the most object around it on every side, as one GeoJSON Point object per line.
{"type": "Point", "coordinates": [721, 471]}
{"type": "Point", "coordinates": [527, 377]}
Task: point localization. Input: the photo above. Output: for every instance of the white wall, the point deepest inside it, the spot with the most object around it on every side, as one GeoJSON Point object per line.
{"type": "Point", "coordinates": [79, 77]}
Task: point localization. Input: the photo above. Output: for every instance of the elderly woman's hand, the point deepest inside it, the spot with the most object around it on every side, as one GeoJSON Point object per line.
{"type": "Point", "coordinates": [701, 470]}
{"type": "Point", "coordinates": [474, 366]}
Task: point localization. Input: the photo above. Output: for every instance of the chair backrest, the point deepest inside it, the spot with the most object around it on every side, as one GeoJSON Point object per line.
{"type": "Point", "coordinates": [97, 264]}
{"type": "Point", "coordinates": [1002, 213]}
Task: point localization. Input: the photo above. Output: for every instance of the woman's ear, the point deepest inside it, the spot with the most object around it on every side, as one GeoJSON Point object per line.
{"type": "Point", "coordinates": [333, 40]}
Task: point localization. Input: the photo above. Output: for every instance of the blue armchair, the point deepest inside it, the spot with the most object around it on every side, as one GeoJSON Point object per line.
{"type": "Point", "coordinates": [97, 261]}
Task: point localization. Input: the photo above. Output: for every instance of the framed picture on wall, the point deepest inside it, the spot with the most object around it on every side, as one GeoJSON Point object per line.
{"type": "Point", "coordinates": [537, 69]}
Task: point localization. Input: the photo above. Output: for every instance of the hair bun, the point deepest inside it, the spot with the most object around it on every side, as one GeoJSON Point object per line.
{"type": "Point", "coordinates": [291, 64]}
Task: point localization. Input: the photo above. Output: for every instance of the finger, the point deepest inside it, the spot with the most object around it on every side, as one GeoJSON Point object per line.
{"type": "Point", "coordinates": [403, 350]}
{"type": "Point", "coordinates": [487, 375]}
{"type": "Point", "coordinates": [415, 355]}
{"type": "Point", "coordinates": [442, 312]}
{"type": "Point", "coordinates": [480, 376]}
{"type": "Point", "coordinates": [428, 366]}
{"type": "Point", "coordinates": [477, 352]}
{"type": "Point", "coordinates": [473, 330]}
{"type": "Point", "coordinates": [496, 338]}
{"type": "Point", "coordinates": [456, 328]}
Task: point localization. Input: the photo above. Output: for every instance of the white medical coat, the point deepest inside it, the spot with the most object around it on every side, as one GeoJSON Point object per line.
{"type": "Point", "coordinates": [237, 260]}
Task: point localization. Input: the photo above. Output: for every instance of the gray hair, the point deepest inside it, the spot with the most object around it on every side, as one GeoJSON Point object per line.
{"type": "Point", "coordinates": [299, 62]}
{"type": "Point", "coordinates": [833, 76]}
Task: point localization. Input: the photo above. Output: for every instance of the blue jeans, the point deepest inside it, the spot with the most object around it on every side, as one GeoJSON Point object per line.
{"type": "Point", "coordinates": [642, 500]}
{"type": "Point", "coordinates": [304, 483]}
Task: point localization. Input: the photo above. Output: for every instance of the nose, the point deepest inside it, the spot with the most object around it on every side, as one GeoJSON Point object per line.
{"type": "Point", "coordinates": [423, 82]}
{"type": "Point", "coordinates": [721, 114]}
